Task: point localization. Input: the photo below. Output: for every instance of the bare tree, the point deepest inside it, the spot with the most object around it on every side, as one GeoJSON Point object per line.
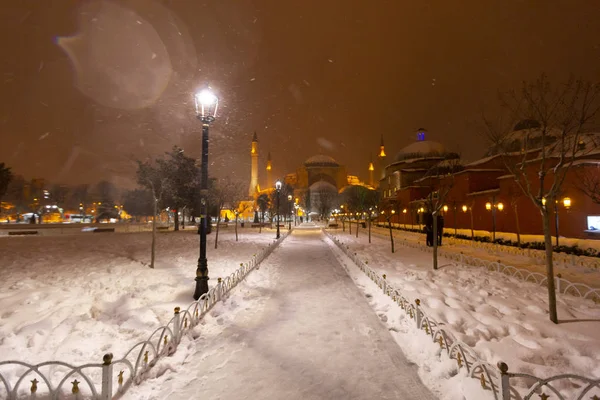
{"type": "Point", "coordinates": [152, 176]}
{"type": "Point", "coordinates": [589, 184]}
{"type": "Point", "coordinates": [236, 196]}
{"type": "Point", "coordinates": [5, 177]}
{"type": "Point", "coordinates": [550, 136]}
{"type": "Point", "coordinates": [221, 195]}
{"type": "Point", "coordinates": [388, 211]}
{"type": "Point", "coordinates": [440, 180]}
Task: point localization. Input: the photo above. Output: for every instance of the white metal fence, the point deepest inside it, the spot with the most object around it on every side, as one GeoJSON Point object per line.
{"type": "Point", "coordinates": [59, 380]}
{"type": "Point", "coordinates": [562, 285]}
{"type": "Point", "coordinates": [593, 263]}
{"type": "Point", "coordinates": [497, 380]}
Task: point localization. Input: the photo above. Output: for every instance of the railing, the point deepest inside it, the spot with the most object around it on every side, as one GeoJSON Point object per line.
{"type": "Point", "coordinates": [561, 258]}
{"type": "Point", "coordinates": [496, 380]}
{"type": "Point", "coordinates": [565, 259]}
{"type": "Point", "coordinates": [563, 286]}
{"type": "Point", "coordinates": [98, 379]}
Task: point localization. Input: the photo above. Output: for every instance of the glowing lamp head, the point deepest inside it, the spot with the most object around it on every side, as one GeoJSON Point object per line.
{"type": "Point", "coordinates": [393, 211]}
{"type": "Point", "coordinates": [278, 185]}
{"type": "Point", "coordinates": [567, 202]}
{"type": "Point", "coordinates": [206, 106]}
{"type": "Point", "coordinates": [404, 211]}
{"type": "Point", "coordinates": [543, 201]}
{"type": "Point", "coordinates": [488, 206]}
{"type": "Point", "coordinates": [445, 208]}
{"type": "Point", "coordinates": [500, 206]}
{"type": "Point", "coordinates": [464, 208]}
{"type": "Point", "coordinates": [289, 197]}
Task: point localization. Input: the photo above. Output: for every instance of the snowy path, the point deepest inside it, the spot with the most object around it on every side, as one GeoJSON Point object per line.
{"type": "Point", "coordinates": [310, 335]}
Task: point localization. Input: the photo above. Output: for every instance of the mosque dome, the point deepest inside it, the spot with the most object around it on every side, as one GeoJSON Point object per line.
{"type": "Point", "coordinates": [421, 149]}
{"type": "Point", "coordinates": [322, 186]}
{"type": "Point", "coordinates": [321, 160]}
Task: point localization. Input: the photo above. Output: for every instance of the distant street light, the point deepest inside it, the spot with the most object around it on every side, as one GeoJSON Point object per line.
{"type": "Point", "coordinates": [493, 206]}
{"type": "Point", "coordinates": [206, 111]}
{"type": "Point", "coordinates": [278, 189]}
{"type": "Point", "coordinates": [290, 208]}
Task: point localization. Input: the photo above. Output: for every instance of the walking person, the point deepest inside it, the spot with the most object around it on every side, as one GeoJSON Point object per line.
{"type": "Point", "coordinates": [428, 229]}
{"type": "Point", "coordinates": [440, 229]}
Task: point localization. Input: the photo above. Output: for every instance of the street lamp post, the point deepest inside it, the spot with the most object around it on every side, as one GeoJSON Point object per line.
{"type": "Point", "coordinates": [493, 206]}
{"type": "Point", "coordinates": [206, 111]}
{"type": "Point", "coordinates": [290, 211]}
{"type": "Point", "coordinates": [278, 189]}
{"type": "Point", "coordinates": [567, 204]}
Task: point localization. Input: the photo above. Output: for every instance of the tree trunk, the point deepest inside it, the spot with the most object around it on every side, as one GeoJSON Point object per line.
{"type": "Point", "coordinates": [183, 218]}
{"type": "Point", "coordinates": [369, 222]}
{"type": "Point", "coordinates": [472, 231]}
{"type": "Point", "coordinates": [391, 234]}
{"type": "Point", "coordinates": [549, 268]}
{"type": "Point", "coordinates": [357, 224]}
{"type": "Point", "coordinates": [176, 217]}
{"type": "Point", "coordinates": [518, 226]}
{"type": "Point", "coordinates": [236, 232]}
{"type": "Point", "coordinates": [435, 241]}
{"type": "Point", "coordinates": [153, 247]}
{"type": "Point", "coordinates": [350, 226]}
{"type": "Point", "coordinates": [217, 234]}
{"type": "Point", "coordinates": [343, 225]}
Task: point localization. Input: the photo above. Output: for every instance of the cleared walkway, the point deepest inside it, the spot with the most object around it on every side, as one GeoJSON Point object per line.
{"type": "Point", "coordinates": [314, 336]}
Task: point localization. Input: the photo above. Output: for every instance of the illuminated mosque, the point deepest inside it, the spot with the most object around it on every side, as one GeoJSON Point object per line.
{"type": "Point", "coordinates": [318, 175]}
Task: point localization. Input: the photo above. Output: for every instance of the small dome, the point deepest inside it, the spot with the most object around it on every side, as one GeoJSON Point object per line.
{"type": "Point", "coordinates": [322, 186]}
{"type": "Point", "coordinates": [321, 160]}
{"type": "Point", "coordinates": [421, 149]}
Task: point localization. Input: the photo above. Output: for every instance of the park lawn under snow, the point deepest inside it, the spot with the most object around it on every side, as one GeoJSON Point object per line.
{"type": "Point", "coordinates": [572, 273]}
{"type": "Point", "coordinates": [74, 298]}
{"type": "Point", "coordinates": [502, 318]}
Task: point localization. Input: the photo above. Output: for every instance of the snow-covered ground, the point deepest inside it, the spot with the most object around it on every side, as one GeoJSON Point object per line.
{"type": "Point", "coordinates": [75, 298]}
{"type": "Point", "coordinates": [502, 318]}
{"type": "Point", "coordinates": [296, 328]}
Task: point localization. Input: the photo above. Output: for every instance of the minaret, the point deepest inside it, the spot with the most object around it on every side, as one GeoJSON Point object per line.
{"type": "Point", "coordinates": [269, 168]}
{"type": "Point", "coordinates": [254, 172]}
{"type": "Point", "coordinates": [371, 169]}
{"type": "Point", "coordinates": [381, 157]}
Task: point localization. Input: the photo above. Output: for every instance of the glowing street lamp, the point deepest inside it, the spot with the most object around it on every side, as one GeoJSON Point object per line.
{"type": "Point", "coordinates": [290, 208]}
{"type": "Point", "coordinates": [464, 208]}
{"type": "Point", "coordinates": [567, 204]}
{"type": "Point", "coordinates": [278, 189]}
{"type": "Point", "coordinates": [493, 206]}
{"type": "Point", "coordinates": [206, 111]}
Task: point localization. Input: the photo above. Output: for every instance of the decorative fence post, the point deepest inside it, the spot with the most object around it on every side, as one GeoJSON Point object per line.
{"type": "Point", "coordinates": [176, 327]}
{"type": "Point", "coordinates": [219, 289]}
{"type": "Point", "coordinates": [557, 279]}
{"type": "Point", "coordinates": [504, 381]}
{"type": "Point", "coordinates": [107, 373]}
{"type": "Point", "coordinates": [384, 285]}
{"type": "Point", "coordinates": [418, 313]}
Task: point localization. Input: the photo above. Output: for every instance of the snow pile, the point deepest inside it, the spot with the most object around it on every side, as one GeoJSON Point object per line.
{"type": "Point", "coordinates": [501, 318]}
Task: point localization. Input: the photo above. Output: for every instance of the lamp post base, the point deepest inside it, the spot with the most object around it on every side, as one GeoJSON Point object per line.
{"type": "Point", "coordinates": [201, 286]}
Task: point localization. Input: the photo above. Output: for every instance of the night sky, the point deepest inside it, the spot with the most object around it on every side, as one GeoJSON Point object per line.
{"type": "Point", "coordinates": [88, 86]}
